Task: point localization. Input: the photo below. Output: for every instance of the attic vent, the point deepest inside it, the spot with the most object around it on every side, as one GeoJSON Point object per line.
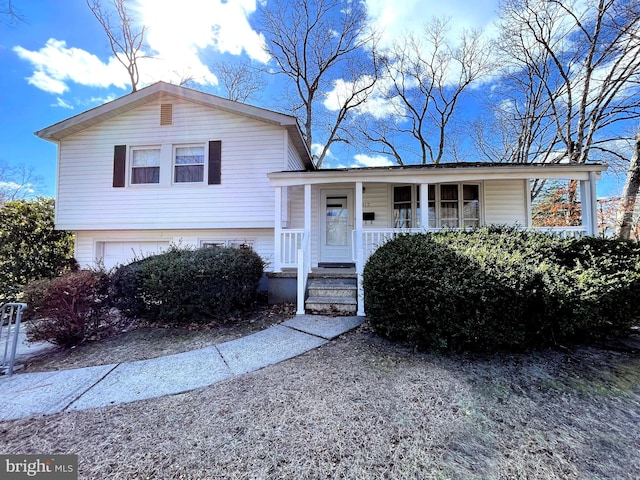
{"type": "Point", "coordinates": [166, 114]}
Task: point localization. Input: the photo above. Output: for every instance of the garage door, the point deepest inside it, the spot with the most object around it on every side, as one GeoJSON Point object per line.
{"type": "Point", "coordinates": [121, 253]}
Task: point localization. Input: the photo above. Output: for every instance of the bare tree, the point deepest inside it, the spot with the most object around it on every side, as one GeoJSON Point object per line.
{"type": "Point", "coordinates": [313, 42]}
{"type": "Point", "coordinates": [574, 70]}
{"type": "Point", "coordinates": [424, 78]}
{"type": "Point", "coordinates": [629, 195]}
{"type": "Point", "coordinates": [239, 79]}
{"type": "Point", "coordinates": [125, 38]}
{"type": "Point", "coordinates": [18, 182]}
{"type": "Point", "coordinates": [574, 66]}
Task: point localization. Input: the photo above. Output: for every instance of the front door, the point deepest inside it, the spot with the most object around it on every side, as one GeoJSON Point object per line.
{"type": "Point", "coordinates": [336, 226]}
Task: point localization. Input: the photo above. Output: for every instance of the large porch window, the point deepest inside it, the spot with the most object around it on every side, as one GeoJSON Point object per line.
{"type": "Point", "coordinates": [451, 205]}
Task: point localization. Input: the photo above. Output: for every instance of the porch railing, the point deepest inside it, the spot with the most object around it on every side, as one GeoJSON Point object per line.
{"type": "Point", "coordinates": [292, 240]}
{"type": "Point", "coordinates": [564, 232]}
{"type": "Point", "coordinates": [374, 239]}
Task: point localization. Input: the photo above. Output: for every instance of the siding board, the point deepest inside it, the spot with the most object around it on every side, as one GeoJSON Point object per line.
{"type": "Point", "coordinates": [244, 199]}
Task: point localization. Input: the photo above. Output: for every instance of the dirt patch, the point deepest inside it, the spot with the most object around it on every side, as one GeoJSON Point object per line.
{"type": "Point", "coordinates": [361, 407]}
{"type": "Point", "coordinates": [146, 341]}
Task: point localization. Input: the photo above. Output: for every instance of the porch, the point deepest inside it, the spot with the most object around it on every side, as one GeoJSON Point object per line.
{"type": "Point", "coordinates": [343, 216]}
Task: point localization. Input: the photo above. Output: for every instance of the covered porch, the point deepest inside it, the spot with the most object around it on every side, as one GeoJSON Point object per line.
{"type": "Point", "coordinates": [333, 218]}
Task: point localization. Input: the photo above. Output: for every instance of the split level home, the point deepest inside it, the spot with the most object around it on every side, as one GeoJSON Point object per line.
{"type": "Point", "coordinates": [170, 165]}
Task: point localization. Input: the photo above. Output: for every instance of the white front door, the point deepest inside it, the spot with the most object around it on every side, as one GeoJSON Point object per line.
{"type": "Point", "coordinates": [336, 224]}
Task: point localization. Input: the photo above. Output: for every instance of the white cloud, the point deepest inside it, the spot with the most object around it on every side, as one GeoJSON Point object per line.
{"type": "Point", "coordinates": [376, 105]}
{"type": "Point", "coordinates": [398, 18]}
{"type": "Point", "coordinates": [56, 65]}
{"type": "Point", "coordinates": [362, 160]}
{"type": "Point", "coordinates": [63, 104]}
{"type": "Point", "coordinates": [176, 33]}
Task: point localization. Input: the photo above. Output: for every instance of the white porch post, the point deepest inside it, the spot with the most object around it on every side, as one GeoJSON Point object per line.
{"type": "Point", "coordinates": [424, 206]}
{"type": "Point", "coordinates": [359, 252]}
{"type": "Point", "coordinates": [593, 211]}
{"type": "Point", "coordinates": [304, 253]}
{"type": "Point", "coordinates": [307, 209]}
{"type": "Point", "coordinates": [589, 203]}
{"type": "Point", "coordinates": [277, 232]}
{"type": "Point", "coordinates": [585, 200]}
{"type": "Point", "coordinates": [527, 200]}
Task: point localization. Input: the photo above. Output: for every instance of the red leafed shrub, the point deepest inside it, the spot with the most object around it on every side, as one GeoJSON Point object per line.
{"type": "Point", "coordinates": [68, 309]}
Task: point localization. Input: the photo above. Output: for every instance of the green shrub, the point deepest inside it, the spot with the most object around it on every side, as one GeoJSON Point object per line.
{"type": "Point", "coordinates": [185, 285]}
{"type": "Point", "coordinates": [500, 288]}
{"type": "Point", "coordinates": [69, 309]}
{"type": "Point", "coordinates": [30, 246]}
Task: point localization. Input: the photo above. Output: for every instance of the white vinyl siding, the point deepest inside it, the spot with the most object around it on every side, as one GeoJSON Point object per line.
{"type": "Point", "coordinates": [244, 199]}
{"type": "Point", "coordinates": [505, 202]}
{"type": "Point", "coordinates": [90, 245]}
{"type": "Point", "coordinates": [294, 162]}
{"type": "Point", "coordinates": [375, 199]}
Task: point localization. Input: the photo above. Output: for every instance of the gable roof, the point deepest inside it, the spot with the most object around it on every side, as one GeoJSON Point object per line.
{"type": "Point", "coordinates": [162, 90]}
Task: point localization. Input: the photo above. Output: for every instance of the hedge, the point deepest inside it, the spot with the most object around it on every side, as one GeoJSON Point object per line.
{"type": "Point", "coordinates": [501, 288]}
{"type": "Point", "coordinates": [185, 285]}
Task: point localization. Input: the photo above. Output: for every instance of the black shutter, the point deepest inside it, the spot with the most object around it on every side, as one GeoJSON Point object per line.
{"type": "Point", "coordinates": [215, 162]}
{"type": "Point", "coordinates": [119, 165]}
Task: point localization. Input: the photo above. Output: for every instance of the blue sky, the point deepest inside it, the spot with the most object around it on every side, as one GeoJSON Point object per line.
{"type": "Point", "coordinates": [57, 62]}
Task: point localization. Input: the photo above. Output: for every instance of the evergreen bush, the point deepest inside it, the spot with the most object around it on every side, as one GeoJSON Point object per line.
{"type": "Point", "coordinates": [501, 288]}
{"type": "Point", "coordinates": [184, 285]}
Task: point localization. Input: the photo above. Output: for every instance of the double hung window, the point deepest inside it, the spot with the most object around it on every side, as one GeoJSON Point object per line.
{"type": "Point", "coordinates": [189, 164]}
{"type": "Point", "coordinates": [145, 166]}
{"type": "Point", "coordinates": [406, 206]}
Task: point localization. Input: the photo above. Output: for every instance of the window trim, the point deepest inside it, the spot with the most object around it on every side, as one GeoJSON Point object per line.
{"type": "Point", "coordinates": [435, 220]}
{"type": "Point", "coordinates": [130, 166]}
{"type": "Point", "coordinates": [204, 164]}
{"type": "Point", "coordinates": [415, 205]}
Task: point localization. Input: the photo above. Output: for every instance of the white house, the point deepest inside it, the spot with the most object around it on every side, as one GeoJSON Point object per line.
{"type": "Point", "coordinates": [167, 164]}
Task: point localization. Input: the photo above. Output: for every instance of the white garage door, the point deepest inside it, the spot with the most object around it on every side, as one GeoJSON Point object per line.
{"type": "Point", "coordinates": [121, 253]}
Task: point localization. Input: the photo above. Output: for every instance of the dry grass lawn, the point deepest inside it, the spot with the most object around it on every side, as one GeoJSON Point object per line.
{"type": "Point", "coordinates": [363, 408]}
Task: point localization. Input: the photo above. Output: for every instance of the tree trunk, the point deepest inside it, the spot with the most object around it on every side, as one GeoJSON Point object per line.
{"type": "Point", "coordinates": [629, 193]}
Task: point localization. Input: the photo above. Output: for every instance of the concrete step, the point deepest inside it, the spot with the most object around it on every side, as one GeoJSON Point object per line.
{"type": "Point", "coordinates": [331, 288]}
{"type": "Point", "coordinates": [331, 305]}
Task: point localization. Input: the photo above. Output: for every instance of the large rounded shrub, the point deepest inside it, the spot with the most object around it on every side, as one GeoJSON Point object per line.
{"type": "Point", "coordinates": [185, 285]}
{"type": "Point", "coordinates": [500, 288]}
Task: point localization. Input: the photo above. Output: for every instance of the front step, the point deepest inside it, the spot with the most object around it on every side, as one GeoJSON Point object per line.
{"type": "Point", "coordinates": [332, 296]}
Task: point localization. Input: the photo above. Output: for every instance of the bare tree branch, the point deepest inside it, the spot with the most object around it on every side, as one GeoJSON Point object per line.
{"type": "Point", "coordinates": [126, 41]}
{"type": "Point", "coordinates": [311, 41]}
{"type": "Point", "coordinates": [426, 77]}
{"type": "Point", "coordinates": [18, 182]}
{"type": "Point", "coordinates": [239, 79]}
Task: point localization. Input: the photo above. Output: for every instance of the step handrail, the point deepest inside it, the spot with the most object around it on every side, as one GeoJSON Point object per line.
{"type": "Point", "coordinates": [10, 317]}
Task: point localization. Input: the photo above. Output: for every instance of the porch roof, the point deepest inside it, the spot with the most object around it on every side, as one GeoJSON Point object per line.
{"type": "Point", "coordinates": [442, 173]}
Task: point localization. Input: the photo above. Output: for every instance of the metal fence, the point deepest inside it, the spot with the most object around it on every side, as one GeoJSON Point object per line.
{"type": "Point", "coordinates": [10, 316]}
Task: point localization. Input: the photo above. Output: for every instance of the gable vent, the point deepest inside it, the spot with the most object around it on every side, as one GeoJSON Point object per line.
{"type": "Point", "coordinates": [166, 114]}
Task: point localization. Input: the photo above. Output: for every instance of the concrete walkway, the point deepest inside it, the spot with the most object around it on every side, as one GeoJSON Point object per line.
{"type": "Point", "coordinates": [47, 393]}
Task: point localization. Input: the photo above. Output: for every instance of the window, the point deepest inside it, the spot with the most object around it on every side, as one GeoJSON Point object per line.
{"type": "Point", "coordinates": [189, 164]}
{"type": "Point", "coordinates": [227, 243]}
{"type": "Point", "coordinates": [471, 205]}
{"type": "Point", "coordinates": [406, 206]}
{"type": "Point", "coordinates": [458, 205]}
{"type": "Point", "coordinates": [145, 166]}
{"type": "Point", "coordinates": [451, 205]}
{"type": "Point", "coordinates": [449, 217]}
